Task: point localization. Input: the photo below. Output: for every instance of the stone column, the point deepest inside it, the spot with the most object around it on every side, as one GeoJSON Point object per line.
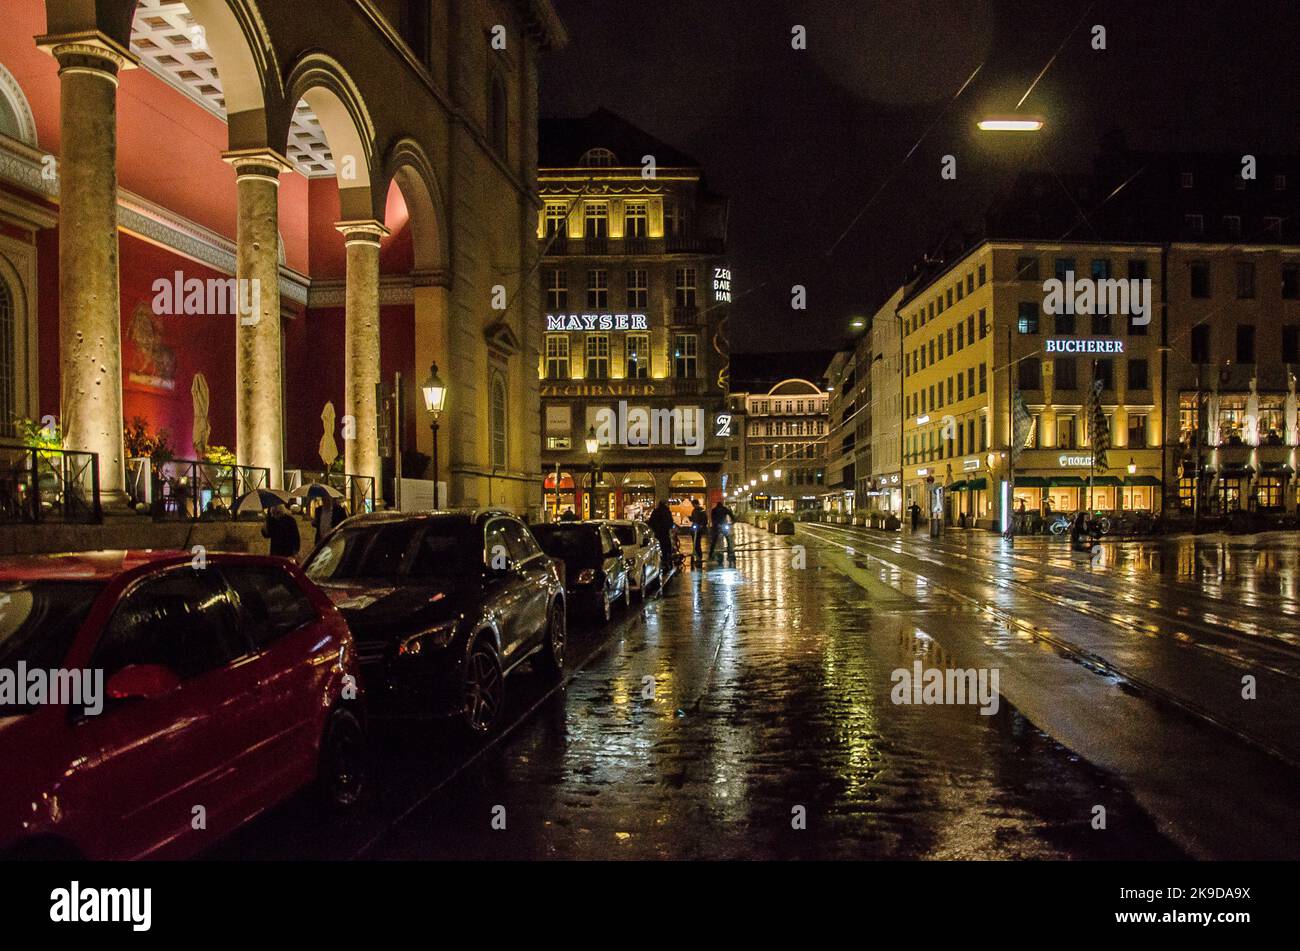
{"type": "Point", "coordinates": [259, 410]}
{"type": "Point", "coordinates": [361, 346]}
{"type": "Point", "coordinates": [90, 337]}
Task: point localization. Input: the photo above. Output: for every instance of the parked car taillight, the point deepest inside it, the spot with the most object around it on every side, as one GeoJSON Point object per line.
{"type": "Point", "coordinates": [585, 576]}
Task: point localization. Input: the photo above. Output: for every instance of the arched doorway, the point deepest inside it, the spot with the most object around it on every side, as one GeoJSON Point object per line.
{"type": "Point", "coordinates": [636, 495]}
{"type": "Point", "coordinates": [682, 488]}
{"type": "Point", "coordinates": [563, 500]}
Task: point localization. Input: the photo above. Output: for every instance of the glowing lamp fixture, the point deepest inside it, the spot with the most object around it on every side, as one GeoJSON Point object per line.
{"type": "Point", "coordinates": [435, 392]}
{"type": "Point", "coordinates": [776, 474]}
{"type": "Point", "coordinates": [593, 443]}
{"type": "Point", "coordinates": [1010, 124]}
{"type": "Point", "coordinates": [1132, 466]}
{"type": "Point", "coordinates": [764, 476]}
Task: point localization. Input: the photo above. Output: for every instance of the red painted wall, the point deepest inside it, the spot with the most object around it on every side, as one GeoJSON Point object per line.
{"type": "Point", "coordinates": [198, 344]}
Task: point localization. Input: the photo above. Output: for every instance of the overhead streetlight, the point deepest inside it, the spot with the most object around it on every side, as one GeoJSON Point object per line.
{"type": "Point", "coordinates": [857, 323]}
{"type": "Point", "coordinates": [593, 446]}
{"type": "Point", "coordinates": [764, 476]}
{"type": "Point", "coordinates": [1010, 124]}
{"type": "Point", "coordinates": [593, 442]}
{"type": "Point", "coordinates": [776, 474]}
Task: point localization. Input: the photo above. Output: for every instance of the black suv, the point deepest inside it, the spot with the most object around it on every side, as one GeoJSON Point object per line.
{"type": "Point", "coordinates": [442, 606]}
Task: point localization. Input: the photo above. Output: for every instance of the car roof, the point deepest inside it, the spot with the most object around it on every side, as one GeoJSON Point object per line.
{"type": "Point", "coordinates": [468, 516]}
{"type": "Point", "coordinates": [105, 565]}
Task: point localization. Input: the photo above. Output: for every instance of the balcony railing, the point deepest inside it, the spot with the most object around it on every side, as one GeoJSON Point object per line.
{"type": "Point", "coordinates": [48, 485]}
{"type": "Point", "coordinates": [596, 244]}
{"type": "Point", "coordinates": [191, 490]}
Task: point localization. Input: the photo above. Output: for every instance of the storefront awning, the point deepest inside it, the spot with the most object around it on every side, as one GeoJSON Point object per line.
{"type": "Point", "coordinates": [1276, 468]}
{"type": "Point", "coordinates": [1073, 481]}
{"type": "Point", "coordinates": [1142, 480]}
{"type": "Point", "coordinates": [957, 486]}
{"type": "Point", "coordinates": [1032, 482]}
{"type": "Point", "coordinates": [1105, 480]}
{"type": "Point", "coordinates": [976, 485]}
{"type": "Point", "coordinates": [1235, 472]}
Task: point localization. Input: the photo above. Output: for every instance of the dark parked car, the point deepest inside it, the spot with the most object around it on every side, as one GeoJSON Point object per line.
{"type": "Point", "coordinates": [595, 569]}
{"type": "Point", "coordinates": [442, 606]}
{"type": "Point", "coordinates": [227, 685]}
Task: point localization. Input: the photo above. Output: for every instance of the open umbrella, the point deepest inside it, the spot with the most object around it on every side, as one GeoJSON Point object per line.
{"type": "Point", "coordinates": [316, 490]}
{"type": "Point", "coordinates": [259, 500]}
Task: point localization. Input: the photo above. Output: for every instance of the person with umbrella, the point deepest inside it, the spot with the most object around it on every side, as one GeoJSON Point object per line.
{"type": "Point", "coordinates": [328, 512]}
{"type": "Point", "coordinates": [282, 529]}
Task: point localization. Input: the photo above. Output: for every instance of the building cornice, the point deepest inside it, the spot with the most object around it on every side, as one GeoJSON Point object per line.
{"type": "Point", "coordinates": [23, 166]}
{"type": "Point", "coordinates": [394, 289]}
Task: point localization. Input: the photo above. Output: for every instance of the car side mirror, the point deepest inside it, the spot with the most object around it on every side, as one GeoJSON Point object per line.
{"type": "Point", "coordinates": [142, 682]}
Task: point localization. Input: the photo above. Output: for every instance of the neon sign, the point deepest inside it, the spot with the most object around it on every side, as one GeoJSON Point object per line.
{"type": "Point", "coordinates": [590, 322]}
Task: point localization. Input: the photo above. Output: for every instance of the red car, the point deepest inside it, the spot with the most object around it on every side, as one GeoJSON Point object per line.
{"type": "Point", "coordinates": [225, 687]}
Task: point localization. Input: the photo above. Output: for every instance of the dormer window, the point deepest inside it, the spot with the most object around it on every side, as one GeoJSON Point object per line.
{"type": "Point", "coordinates": [598, 158]}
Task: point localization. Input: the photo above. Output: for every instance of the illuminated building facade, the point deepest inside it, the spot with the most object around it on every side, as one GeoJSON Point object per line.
{"type": "Point", "coordinates": [377, 195]}
{"type": "Point", "coordinates": [636, 292]}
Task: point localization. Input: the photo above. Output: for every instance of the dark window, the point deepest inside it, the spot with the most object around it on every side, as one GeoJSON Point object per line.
{"type": "Point", "coordinates": [982, 275]}
{"type": "Point", "coordinates": [1101, 269]}
{"type": "Point", "coordinates": [1064, 324]}
{"type": "Point", "coordinates": [183, 621]}
{"type": "Point", "coordinates": [1245, 343]}
{"type": "Point", "coordinates": [1137, 269]}
{"type": "Point", "coordinates": [1245, 279]}
{"type": "Point", "coordinates": [499, 121]}
{"type": "Point", "coordinates": [1104, 370]}
{"type": "Point", "coordinates": [1136, 329]}
{"type": "Point", "coordinates": [1064, 265]}
{"type": "Point", "coordinates": [1064, 374]}
{"type": "Point", "coordinates": [1028, 321]}
{"type": "Point", "coordinates": [1200, 274]}
{"type": "Point", "coordinates": [1291, 344]}
{"type": "Point", "coordinates": [1030, 374]}
{"type": "Point", "coordinates": [1137, 375]}
{"type": "Point", "coordinates": [984, 377]}
{"type": "Point", "coordinates": [1101, 325]}
{"type": "Point", "coordinates": [984, 323]}
{"type": "Point", "coordinates": [270, 602]}
{"type": "Point", "coordinates": [1027, 269]}
{"type": "Point", "coordinates": [1291, 281]}
{"type": "Point", "coordinates": [1201, 343]}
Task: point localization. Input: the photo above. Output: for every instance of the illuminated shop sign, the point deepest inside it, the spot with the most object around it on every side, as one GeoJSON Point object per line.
{"type": "Point", "coordinates": [1086, 345]}
{"type": "Point", "coordinates": [722, 284]}
{"type": "Point", "coordinates": [597, 389]}
{"type": "Point", "coordinates": [971, 464]}
{"type": "Point", "coordinates": [581, 322]}
{"type": "Point", "coordinates": [1065, 461]}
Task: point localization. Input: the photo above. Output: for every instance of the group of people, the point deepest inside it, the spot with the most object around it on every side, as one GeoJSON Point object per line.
{"type": "Point", "coordinates": [716, 524]}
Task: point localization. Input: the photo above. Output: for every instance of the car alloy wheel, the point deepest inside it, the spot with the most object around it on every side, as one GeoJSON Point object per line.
{"type": "Point", "coordinates": [484, 689]}
{"type": "Point", "coordinates": [343, 759]}
{"type": "Point", "coordinates": [552, 657]}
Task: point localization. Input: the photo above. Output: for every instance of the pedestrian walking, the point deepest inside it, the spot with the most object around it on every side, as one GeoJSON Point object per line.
{"type": "Point", "coordinates": [699, 525]}
{"type": "Point", "coordinates": [282, 529]}
{"type": "Point", "coordinates": [322, 519]}
{"type": "Point", "coordinates": [721, 519]}
{"type": "Point", "coordinates": [914, 511]}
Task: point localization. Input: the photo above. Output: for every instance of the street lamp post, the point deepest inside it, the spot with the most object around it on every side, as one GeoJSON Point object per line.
{"type": "Point", "coordinates": [435, 396]}
{"type": "Point", "coordinates": [593, 446]}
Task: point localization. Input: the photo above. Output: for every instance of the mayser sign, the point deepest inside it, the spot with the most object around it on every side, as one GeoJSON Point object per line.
{"type": "Point", "coordinates": [595, 322]}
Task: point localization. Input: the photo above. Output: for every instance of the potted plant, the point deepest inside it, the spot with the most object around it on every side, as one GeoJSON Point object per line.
{"type": "Point", "coordinates": [783, 524]}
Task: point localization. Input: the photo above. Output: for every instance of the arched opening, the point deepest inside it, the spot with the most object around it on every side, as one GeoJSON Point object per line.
{"type": "Point", "coordinates": [16, 120]}
{"type": "Point", "coordinates": [683, 489]}
{"type": "Point", "coordinates": [561, 496]}
{"type": "Point", "coordinates": [637, 495]}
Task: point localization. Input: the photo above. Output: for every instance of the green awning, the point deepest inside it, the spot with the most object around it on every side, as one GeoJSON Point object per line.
{"type": "Point", "coordinates": [1142, 480]}
{"type": "Point", "coordinates": [1031, 482]}
{"type": "Point", "coordinates": [1074, 481]}
{"type": "Point", "coordinates": [957, 486]}
{"type": "Point", "coordinates": [975, 485]}
{"type": "Point", "coordinates": [1105, 480]}
{"type": "Point", "coordinates": [1235, 472]}
{"type": "Point", "coordinates": [1276, 468]}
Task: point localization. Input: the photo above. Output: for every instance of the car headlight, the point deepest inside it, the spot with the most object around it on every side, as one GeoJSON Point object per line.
{"type": "Point", "coordinates": [585, 576]}
{"type": "Point", "coordinates": [439, 636]}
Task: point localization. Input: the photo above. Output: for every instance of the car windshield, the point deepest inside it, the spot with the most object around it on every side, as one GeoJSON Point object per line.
{"type": "Point", "coordinates": [626, 534]}
{"type": "Point", "coordinates": [568, 541]}
{"type": "Point", "coordinates": [434, 549]}
{"type": "Point", "coordinates": [38, 622]}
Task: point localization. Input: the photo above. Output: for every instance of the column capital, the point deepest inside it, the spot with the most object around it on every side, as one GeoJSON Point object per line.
{"type": "Point", "coordinates": [89, 51]}
{"type": "Point", "coordinates": [362, 231]}
{"type": "Point", "coordinates": [266, 164]}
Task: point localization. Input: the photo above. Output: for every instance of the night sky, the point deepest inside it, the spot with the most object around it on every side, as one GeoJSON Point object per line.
{"type": "Point", "coordinates": [801, 141]}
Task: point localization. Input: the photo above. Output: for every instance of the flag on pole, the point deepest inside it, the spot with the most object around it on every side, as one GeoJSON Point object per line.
{"type": "Point", "coordinates": [1022, 423]}
{"type": "Point", "coordinates": [1098, 429]}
